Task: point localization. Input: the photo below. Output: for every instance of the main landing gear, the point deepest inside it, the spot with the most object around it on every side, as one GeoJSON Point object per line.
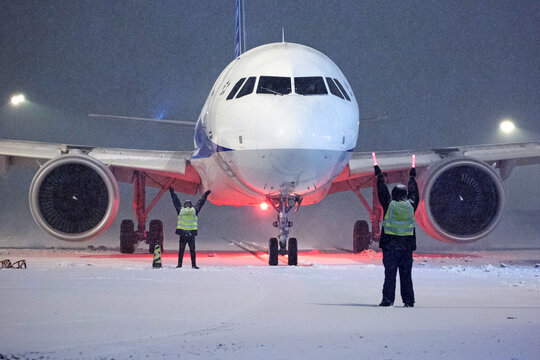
{"type": "Point", "coordinates": [129, 237]}
{"type": "Point", "coordinates": [362, 237]}
{"type": "Point", "coordinates": [278, 246]}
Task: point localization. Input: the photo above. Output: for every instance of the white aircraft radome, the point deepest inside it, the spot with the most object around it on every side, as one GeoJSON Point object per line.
{"type": "Point", "coordinates": [279, 127]}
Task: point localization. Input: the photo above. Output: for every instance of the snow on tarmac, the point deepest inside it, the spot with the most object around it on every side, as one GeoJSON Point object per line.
{"type": "Point", "coordinates": [101, 305]}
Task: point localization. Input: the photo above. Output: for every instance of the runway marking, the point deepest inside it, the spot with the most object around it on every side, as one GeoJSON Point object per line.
{"type": "Point", "coordinates": [254, 253]}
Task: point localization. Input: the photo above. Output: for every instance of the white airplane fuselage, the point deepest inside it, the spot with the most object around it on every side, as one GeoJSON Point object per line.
{"type": "Point", "coordinates": [284, 136]}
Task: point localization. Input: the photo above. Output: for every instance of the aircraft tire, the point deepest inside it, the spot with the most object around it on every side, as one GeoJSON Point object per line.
{"type": "Point", "coordinates": [273, 252]}
{"type": "Point", "coordinates": [155, 235]}
{"type": "Point", "coordinates": [360, 236]}
{"type": "Point", "coordinates": [293, 252]}
{"type": "Point", "coordinates": [127, 237]}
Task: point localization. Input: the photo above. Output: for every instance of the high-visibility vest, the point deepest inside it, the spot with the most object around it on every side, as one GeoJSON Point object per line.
{"type": "Point", "coordinates": [399, 219]}
{"type": "Point", "coordinates": [187, 219]}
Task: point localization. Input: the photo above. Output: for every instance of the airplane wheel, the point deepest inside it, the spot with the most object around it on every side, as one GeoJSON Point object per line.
{"type": "Point", "coordinates": [128, 238]}
{"type": "Point", "coordinates": [293, 252]}
{"type": "Point", "coordinates": [155, 235]}
{"type": "Point", "coordinates": [273, 253]}
{"type": "Point", "coordinates": [360, 236]}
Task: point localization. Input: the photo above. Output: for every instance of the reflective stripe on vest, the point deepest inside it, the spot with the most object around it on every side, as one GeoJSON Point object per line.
{"type": "Point", "coordinates": [399, 219]}
{"type": "Point", "coordinates": [187, 219]}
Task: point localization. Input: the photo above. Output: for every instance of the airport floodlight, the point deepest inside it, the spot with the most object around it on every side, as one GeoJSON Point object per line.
{"type": "Point", "coordinates": [507, 126]}
{"type": "Point", "coordinates": [264, 206]}
{"type": "Point", "coordinates": [18, 99]}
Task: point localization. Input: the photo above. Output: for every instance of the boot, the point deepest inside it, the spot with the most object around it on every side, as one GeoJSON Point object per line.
{"type": "Point", "coordinates": [193, 259]}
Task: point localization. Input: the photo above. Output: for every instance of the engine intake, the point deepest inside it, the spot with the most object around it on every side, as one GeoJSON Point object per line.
{"type": "Point", "coordinates": [461, 200]}
{"type": "Point", "coordinates": [74, 197]}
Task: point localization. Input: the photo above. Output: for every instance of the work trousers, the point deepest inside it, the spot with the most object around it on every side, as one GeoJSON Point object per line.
{"type": "Point", "coordinates": [190, 240]}
{"type": "Point", "coordinates": [394, 259]}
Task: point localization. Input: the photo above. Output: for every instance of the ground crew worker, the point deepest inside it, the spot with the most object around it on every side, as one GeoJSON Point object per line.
{"type": "Point", "coordinates": [398, 237]}
{"type": "Point", "coordinates": [187, 225]}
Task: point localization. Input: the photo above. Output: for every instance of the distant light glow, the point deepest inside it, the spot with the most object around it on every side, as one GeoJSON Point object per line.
{"type": "Point", "coordinates": [413, 160]}
{"type": "Point", "coordinates": [264, 206]}
{"type": "Point", "coordinates": [507, 126]}
{"type": "Point", "coordinates": [18, 99]}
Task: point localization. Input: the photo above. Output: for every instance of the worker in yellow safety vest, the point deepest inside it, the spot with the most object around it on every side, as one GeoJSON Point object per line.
{"type": "Point", "coordinates": [398, 236]}
{"type": "Point", "coordinates": [187, 226]}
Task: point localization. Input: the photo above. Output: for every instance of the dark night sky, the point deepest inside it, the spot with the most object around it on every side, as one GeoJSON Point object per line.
{"type": "Point", "coordinates": [445, 74]}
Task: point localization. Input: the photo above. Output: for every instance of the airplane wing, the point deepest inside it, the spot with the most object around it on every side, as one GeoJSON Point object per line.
{"type": "Point", "coordinates": [162, 168]}
{"type": "Point", "coordinates": [396, 164]}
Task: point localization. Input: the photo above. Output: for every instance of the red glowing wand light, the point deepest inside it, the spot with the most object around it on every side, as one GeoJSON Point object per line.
{"type": "Point", "coordinates": [374, 159]}
{"type": "Point", "coordinates": [414, 161]}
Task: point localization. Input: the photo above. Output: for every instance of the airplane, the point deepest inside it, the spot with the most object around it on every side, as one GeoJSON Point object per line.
{"type": "Point", "coordinates": [279, 128]}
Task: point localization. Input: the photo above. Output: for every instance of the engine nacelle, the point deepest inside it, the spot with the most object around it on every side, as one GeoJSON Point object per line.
{"type": "Point", "coordinates": [461, 200]}
{"type": "Point", "coordinates": [74, 197]}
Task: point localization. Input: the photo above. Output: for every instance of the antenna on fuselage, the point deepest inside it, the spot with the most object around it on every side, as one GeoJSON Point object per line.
{"type": "Point", "coordinates": [282, 34]}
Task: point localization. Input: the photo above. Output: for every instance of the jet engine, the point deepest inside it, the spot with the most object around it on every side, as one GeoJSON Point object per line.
{"type": "Point", "coordinates": [74, 197]}
{"type": "Point", "coordinates": [461, 200]}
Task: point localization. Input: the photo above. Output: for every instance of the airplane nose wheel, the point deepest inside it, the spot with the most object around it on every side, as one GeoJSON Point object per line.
{"type": "Point", "coordinates": [282, 205]}
{"type": "Point", "coordinates": [293, 252]}
{"type": "Point", "coordinates": [273, 253]}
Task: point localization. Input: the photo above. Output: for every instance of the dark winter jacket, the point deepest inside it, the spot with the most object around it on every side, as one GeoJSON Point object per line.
{"type": "Point", "coordinates": [388, 241]}
{"type": "Point", "coordinates": [178, 207]}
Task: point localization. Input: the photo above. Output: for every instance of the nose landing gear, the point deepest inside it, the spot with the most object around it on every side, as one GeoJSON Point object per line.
{"type": "Point", "coordinates": [283, 204]}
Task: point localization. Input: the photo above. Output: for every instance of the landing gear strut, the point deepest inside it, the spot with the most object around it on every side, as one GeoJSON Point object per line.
{"type": "Point", "coordinates": [129, 236]}
{"type": "Point", "coordinates": [283, 204]}
{"type": "Point", "coordinates": [362, 237]}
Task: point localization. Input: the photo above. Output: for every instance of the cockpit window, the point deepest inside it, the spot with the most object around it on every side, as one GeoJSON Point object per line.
{"type": "Point", "coordinates": [235, 88]}
{"type": "Point", "coordinates": [310, 86]}
{"type": "Point", "coordinates": [274, 85]}
{"type": "Point", "coordinates": [247, 88]}
{"type": "Point", "coordinates": [342, 90]}
{"type": "Point", "coordinates": [333, 88]}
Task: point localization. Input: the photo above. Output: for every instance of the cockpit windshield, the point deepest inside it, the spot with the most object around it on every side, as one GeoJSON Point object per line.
{"type": "Point", "coordinates": [247, 88]}
{"type": "Point", "coordinates": [235, 88]}
{"type": "Point", "coordinates": [342, 90]}
{"type": "Point", "coordinates": [333, 88]}
{"type": "Point", "coordinates": [310, 85]}
{"type": "Point", "coordinates": [275, 85]}
{"type": "Point", "coordinates": [281, 85]}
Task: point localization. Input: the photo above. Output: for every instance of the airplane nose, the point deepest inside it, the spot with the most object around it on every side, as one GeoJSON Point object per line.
{"type": "Point", "coordinates": [296, 171]}
{"type": "Point", "coordinates": [298, 122]}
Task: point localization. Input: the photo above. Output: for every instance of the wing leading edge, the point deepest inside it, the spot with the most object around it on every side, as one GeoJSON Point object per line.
{"type": "Point", "coordinates": [161, 167]}
{"type": "Point", "coordinates": [359, 172]}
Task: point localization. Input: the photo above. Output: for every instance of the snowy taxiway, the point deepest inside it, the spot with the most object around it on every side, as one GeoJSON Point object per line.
{"type": "Point", "coordinates": [100, 305]}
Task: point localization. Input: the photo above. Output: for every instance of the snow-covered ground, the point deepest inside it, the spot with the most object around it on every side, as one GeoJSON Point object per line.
{"type": "Point", "coordinates": [100, 305]}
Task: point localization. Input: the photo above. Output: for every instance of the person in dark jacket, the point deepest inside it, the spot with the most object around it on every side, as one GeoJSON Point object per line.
{"type": "Point", "coordinates": [187, 225]}
{"type": "Point", "coordinates": [398, 237]}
